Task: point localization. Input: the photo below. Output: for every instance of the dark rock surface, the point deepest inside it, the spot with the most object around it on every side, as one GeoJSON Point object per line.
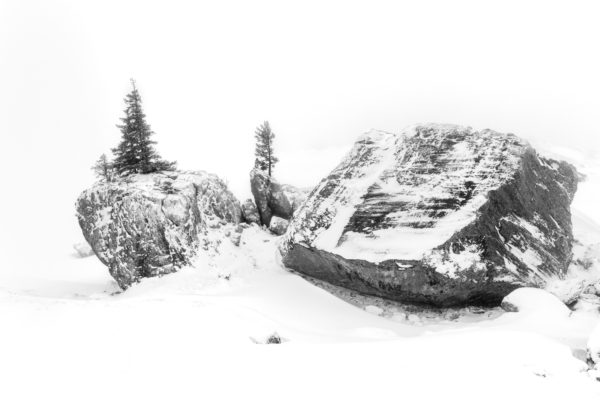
{"type": "Point", "coordinates": [150, 225]}
{"type": "Point", "coordinates": [250, 212]}
{"type": "Point", "coordinates": [440, 215]}
{"type": "Point", "coordinates": [273, 198]}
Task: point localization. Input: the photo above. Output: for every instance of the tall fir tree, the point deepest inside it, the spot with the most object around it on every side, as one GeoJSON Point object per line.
{"type": "Point", "coordinates": [103, 168]}
{"type": "Point", "coordinates": [136, 153]}
{"type": "Point", "coordinates": [265, 157]}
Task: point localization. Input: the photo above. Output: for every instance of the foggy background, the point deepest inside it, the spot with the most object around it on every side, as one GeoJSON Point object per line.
{"type": "Point", "coordinates": [320, 72]}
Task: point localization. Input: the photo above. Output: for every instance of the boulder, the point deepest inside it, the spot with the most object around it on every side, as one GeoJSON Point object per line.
{"type": "Point", "coordinates": [278, 225]}
{"type": "Point", "coordinates": [273, 198]}
{"type": "Point", "coordinates": [250, 212]}
{"type": "Point", "coordinates": [437, 214]}
{"type": "Point", "coordinates": [153, 224]}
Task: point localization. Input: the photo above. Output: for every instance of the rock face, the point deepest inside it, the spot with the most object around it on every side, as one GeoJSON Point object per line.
{"type": "Point", "coordinates": [150, 225]}
{"type": "Point", "coordinates": [438, 214]}
{"type": "Point", "coordinates": [273, 198]}
{"type": "Point", "coordinates": [250, 212]}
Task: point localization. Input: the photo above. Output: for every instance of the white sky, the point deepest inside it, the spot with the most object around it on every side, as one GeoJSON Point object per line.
{"type": "Point", "coordinates": [320, 72]}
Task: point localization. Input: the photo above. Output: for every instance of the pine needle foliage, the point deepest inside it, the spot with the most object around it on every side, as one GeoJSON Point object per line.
{"type": "Point", "coordinates": [265, 157]}
{"type": "Point", "coordinates": [136, 154]}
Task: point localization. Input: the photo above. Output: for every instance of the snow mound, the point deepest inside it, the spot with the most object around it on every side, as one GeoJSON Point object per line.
{"type": "Point", "coordinates": [593, 346]}
{"type": "Point", "coordinates": [83, 249]}
{"type": "Point", "coordinates": [535, 301]}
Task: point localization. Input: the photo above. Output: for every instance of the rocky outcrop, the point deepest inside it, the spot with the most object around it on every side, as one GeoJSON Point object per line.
{"type": "Point", "coordinates": [273, 198]}
{"type": "Point", "coordinates": [250, 212]}
{"type": "Point", "coordinates": [438, 214]}
{"type": "Point", "coordinates": [150, 225]}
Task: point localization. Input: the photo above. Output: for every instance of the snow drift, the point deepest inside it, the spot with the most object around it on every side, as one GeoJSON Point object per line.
{"type": "Point", "coordinates": [438, 214]}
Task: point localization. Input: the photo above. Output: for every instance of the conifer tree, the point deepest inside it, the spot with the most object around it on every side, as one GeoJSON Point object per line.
{"type": "Point", "coordinates": [265, 159]}
{"type": "Point", "coordinates": [136, 153]}
{"type": "Point", "coordinates": [103, 168]}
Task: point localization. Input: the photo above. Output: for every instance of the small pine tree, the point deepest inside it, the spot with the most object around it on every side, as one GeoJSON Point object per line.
{"type": "Point", "coordinates": [136, 153]}
{"type": "Point", "coordinates": [265, 159]}
{"type": "Point", "coordinates": [103, 168]}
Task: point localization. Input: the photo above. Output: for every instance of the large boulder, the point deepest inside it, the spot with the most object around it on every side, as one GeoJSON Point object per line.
{"type": "Point", "coordinates": [437, 214]}
{"type": "Point", "coordinates": [150, 225]}
{"type": "Point", "coordinates": [273, 198]}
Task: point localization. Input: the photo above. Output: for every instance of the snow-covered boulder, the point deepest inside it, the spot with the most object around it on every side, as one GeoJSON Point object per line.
{"type": "Point", "coordinates": [593, 347]}
{"type": "Point", "coordinates": [83, 249]}
{"type": "Point", "coordinates": [437, 214]}
{"type": "Point", "coordinates": [534, 301]}
{"type": "Point", "coordinates": [150, 225]}
{"type": "Point", "coordinates": [278, 225]}
{"type": "Point", "coordinates": [273, 198]}
{"type": "Point", "coordinates": [250, 212]}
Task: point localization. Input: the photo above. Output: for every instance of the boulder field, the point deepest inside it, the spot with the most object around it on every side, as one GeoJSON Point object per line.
{"type": "Point", "coordinates": [441, 215]}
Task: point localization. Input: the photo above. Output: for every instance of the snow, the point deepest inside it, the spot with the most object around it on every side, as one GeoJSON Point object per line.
{"type": "Point", "coordinates": [536, 302]}
{"type": "Point", "coordinates": [353, 190]}
{"type": "Point", "coordinates": [83, 249]}
{"type": "Point", "coordinates": [528, 256]}
{"type": "Point", "coordinates": [531, 228]}
{"type": "Point", "coordinates": [593, 346]}
{"type": "Point", "coordinates": [468, 259]}
{"type": "Point", "coordinates": [69, 333]}
{"type": "Point", "coordinates": [193, 333]}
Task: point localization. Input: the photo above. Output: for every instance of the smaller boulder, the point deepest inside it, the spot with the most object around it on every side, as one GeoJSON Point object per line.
{"type": "Point", "coordinates": [273, 339]}
{"type": "Point", "coordinates": [278, 225]}
{"type": "Point", "coordinates": [274, 199]}
{"type": "Point", "coordinates": [536, 302]}
{"type": "Point", "coordinates": [250, 212]}
{"type": "Point", "coordinates": [593, 348]}
{"type": "Point", "coordinates": [83, 249]}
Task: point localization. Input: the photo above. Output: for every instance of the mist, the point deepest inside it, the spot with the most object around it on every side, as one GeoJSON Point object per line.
{"type": "Point", "coordinates": [320, 72]}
